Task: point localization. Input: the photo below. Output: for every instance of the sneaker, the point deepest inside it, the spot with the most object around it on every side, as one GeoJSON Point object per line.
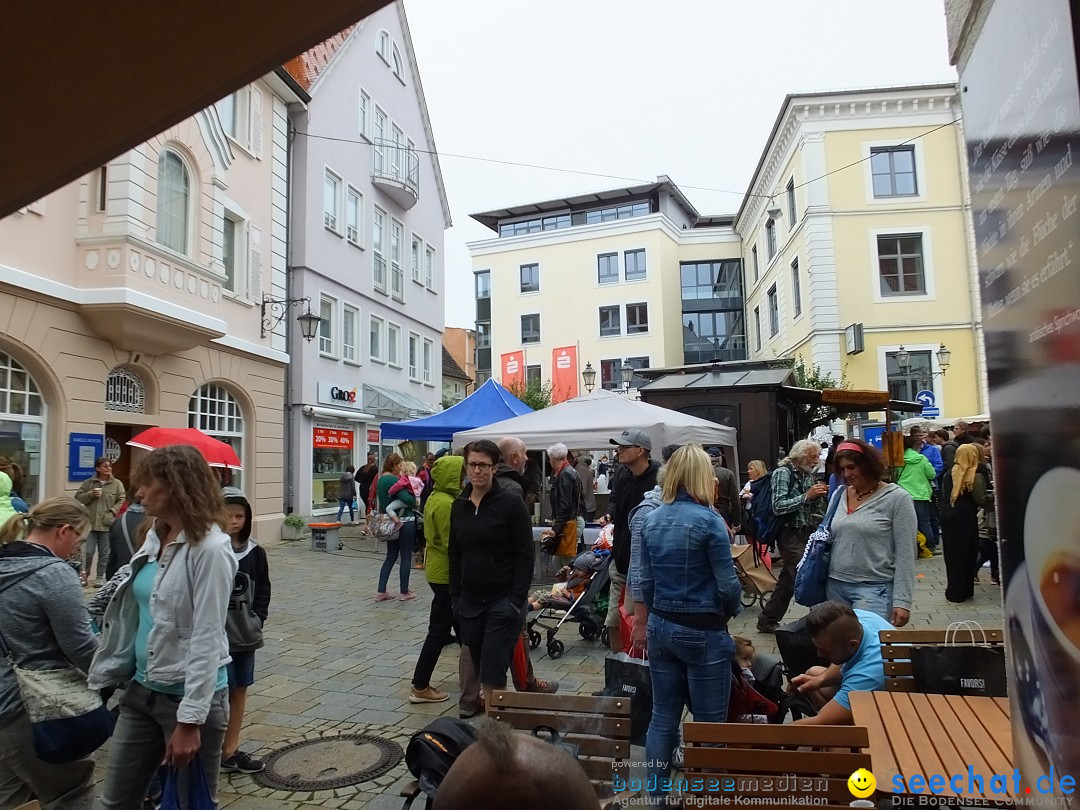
{"type": "Point", "coordinates": [678, 761]}
{"type": "Point", "coordinates": [242, 762]}
{"type": "Point", "coordinates": [406, 596]}
{"type": "Point", "coordinates": [544, 687]}
{"type": "Point", "coordinates": [382, 596]}
{"type": "Point", "coordinates": [428, 694]}
{"type": "Point", "coordinates": [465, 712]}
{"type": "Point", "coordinates": [766, 627]}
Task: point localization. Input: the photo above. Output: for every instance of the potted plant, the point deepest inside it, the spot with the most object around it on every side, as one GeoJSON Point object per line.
{"type": "Point", "coordinates": [295, 527]}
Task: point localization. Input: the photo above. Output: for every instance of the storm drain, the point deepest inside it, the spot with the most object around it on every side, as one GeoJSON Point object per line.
{"type": "Point", "coordinates": [330, 762]}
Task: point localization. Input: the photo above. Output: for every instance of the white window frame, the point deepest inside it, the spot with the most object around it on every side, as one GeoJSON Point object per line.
{"type": "Point", "coordinates": [416, 257]}
{"type": "Point", "coordinates": [937, 377]}
{"type": "Point", "coordinates": [224, 420]}
{"type": "Point", "coordinates": [241, 115]}
{"type": "Point", "coordinates": [377, 326]}
{"type": "Point", "coordinates": [922, 179]}
{"type": "Point", "coordinates": [332, 220]}
{"type": "Point", "coordinates": [797, 307]}
{"type": "Point", "coordinates": [382, 46]}
{"type": "Point", "coordinates": [611, 309]}
{"type": "Point", "coordinates": [756, 263]}
{"type": "Point", "coordinates": [397, 257]}
{"type": "Point", "coordinates": [521, 330]}
{"type": "Point", "coordinates": [772, 242]}
{"type": "Point", "coordinates": [626, 318]}
{"type": "Point", "coordinates": [414, 357]}
{"type": "Point", "coordinates": [393, 358]}
{"type": "Point", "coordinates": [427, 355]}
{"type": "Point", "coordinates": [792, 207]}
{"type": "Point", "coordinates": [327, 342]}
{"type": "Point", "coordinates": [354, 231]}
{"type": "Point", "coordinates": [773, 293]}
{"type": "Point", "coordinates": [379, 140]}
{"type": "Point", "coordinates": [240, 251]}
{"type": "Point", "coordinates": [379, 241]}
{"type": "Point", "coordinates": [757, 328]}
{"type": "Point", "coordinates": [350, 352]}
{"type": "Point", "coordinates": [431, 268]}
{"type": "Point", "coordinates": [101, 189]}
{"type": "Point", "coordinates": [928, 265]}
{"type": "Point", "coordinates": [364, 114]}
{"type": "Point", "coordinates": [397, 151]}
{"type": "Point", "coordinates": [645, 261]}
{"type": "Point", "coordinates": [397, 66]}
{"type": "Point", "coordinates": [189, 175]}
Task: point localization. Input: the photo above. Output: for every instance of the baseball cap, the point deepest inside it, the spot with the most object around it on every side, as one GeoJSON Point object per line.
{"type": "Point", "coordinates": [634, 437]}
{"type": "Point", "coordinates": [669, 451]}
{"type": "Point", "coordinates": [714, 452]}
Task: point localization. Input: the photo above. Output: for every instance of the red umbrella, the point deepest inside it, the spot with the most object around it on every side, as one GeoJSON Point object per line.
{"type": "Point", "coordinates": [216, 453]}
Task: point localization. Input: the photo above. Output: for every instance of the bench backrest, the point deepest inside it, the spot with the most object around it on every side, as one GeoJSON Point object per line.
{"type": "Point", "coordinates": [599, 726]}
{"type": "Point", "coordinates": [774, 761]}
{"type": "Point", "coordinates": [896, 651]}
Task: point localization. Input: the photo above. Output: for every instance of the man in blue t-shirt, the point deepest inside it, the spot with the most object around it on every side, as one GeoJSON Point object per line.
{"type": "Point", "coordinates": [847, 638]}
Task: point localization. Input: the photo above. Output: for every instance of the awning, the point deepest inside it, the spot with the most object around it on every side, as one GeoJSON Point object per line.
{"type": "Point", "coordinates": [390, 404]}
{"type": "Point", "coordinates": [338, 413]}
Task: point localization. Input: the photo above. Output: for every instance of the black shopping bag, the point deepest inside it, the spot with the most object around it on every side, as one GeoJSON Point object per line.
{"type": "Point", "coordinates": [624, 675]}
{"type": "Point", "coordinates": [959, 669]}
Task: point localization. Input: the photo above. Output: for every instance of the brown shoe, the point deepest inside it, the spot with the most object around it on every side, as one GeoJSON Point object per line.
{"type": "Point", "coordinates": [543, 687]}
{"type": "Point", "coordinates": [428, 694]}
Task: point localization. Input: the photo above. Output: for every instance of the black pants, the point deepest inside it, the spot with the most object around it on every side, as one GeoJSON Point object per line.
{"type": "Point", "coordinates": [490, 631]}
{"type": "Point", "coordinates": [440, 623]}
{"type": "Point", "coordinates": [960, 542]}
{"type": "Point", "coordinates": [988, 550]}
{"type": "Point", "coordinates": [792, 543]}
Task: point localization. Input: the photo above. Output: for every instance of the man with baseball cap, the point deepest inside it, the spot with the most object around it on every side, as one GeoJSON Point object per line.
{"type": "Point", "coordinates": [727, 489]}
{"type": "Point", "coordinates": [636, 476]}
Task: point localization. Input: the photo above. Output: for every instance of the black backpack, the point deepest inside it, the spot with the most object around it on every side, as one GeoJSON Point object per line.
{"type": "Point", "coordinates": [434, 749]}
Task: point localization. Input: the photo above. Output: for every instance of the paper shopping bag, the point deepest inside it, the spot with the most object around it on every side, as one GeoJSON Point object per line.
{"type": "Point", "coordinates": [624, 675]}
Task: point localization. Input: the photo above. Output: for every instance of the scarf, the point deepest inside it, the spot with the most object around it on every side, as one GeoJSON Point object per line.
{"type": "Point", "coordinates": [967, 458]}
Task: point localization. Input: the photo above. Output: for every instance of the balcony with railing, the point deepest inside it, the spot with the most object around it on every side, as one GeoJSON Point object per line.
{"type": "Point", "coordinates": [396, 171]}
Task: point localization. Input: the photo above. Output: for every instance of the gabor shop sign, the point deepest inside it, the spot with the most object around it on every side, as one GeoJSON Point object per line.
{"type": "Point", "coordinates": [341, 396]}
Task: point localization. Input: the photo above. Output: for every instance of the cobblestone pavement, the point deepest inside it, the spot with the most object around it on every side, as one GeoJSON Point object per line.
{"type": "Point", "coordinates": [336, 662]}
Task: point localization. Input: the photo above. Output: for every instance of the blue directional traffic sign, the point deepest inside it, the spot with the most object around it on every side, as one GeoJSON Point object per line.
{"type": "Point", "coordinates": [926, 399]}
{"type": "Point", "coordinates": [931, 413]}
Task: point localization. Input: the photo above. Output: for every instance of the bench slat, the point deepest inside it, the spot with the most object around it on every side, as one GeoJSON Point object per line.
{"type": "Point", "coordinates": [993, 634]}
{"type": "Point", "coordinates": [614, 727]}
{"type": "Point", "coordinates": [775, 761]}
{"type": "Point", "coordinates": [757, 734]}
{"type": "Point", "coordinates": [581, 704]}
{"type": "Point", "coordinates": [592, 746]}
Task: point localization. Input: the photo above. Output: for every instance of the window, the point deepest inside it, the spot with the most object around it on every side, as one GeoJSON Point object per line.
{"type": "Point", "coordinates": [796, 288]}
{"type": "Point", "coordinates": [774, 312]}
{"type": "Point", "coordinates": [397, 274]}
{"type": "Point", "coordinates": [174, 201]}
{"type": "Point", "coordinates": [530, 328]}
{"type": "Point", "coordinates": [908, 384]}
{"type": "Point", "coordinates": [214, 411]}
{"type": "Point", "coordinates": [532, 376]}
{"type": "Point", "coordinates": [350, 318]}
{"type": "Point", "coordinates": [712, 311]}
{"type": "Point", "coordinates": [550, 223]}
{"type": "Point", "coordinates": [610, 375]}
{"type": "Point", "coordinates": [429, 351]}
{"type": "Point", "coordinates": [530, 278]}
{"type": "Point", "coordinates": [332, 201]}
{"type": "Point", "coordinates": [378, 249]}
{"type": "Point", "coordinates": [379, 141]}
{"type": "Point", "coordinates": [892, 170]}
{"type": "Point", "coordinates": [483, 284]}
{"type": "Point", "coordinates": [383, 46]}
{"type": "Point", "coordinates": [770, 238]}
{"type": "Point", "coordinates": [607, 268]}
{"type": "Point", "coordinates": [414, 257]}
{"type": "Point", "coordinates": [397, 151]}
{"type": "Point", "coordinates": [102, 188]}
{"type": "Point", "coordinates": [354, 210]}
{"type": "Point", "coordinates": [429, 267]}
{"type": "Point", "coordinates": [717, 335]}
{"type": "Point", "coordinates": [393, 344]}
{"type": "Point", "coordinates": [637, 318]}
{"type": "Point", "coordinates": [757, 329]}
{"type": "Point", "coordinates": [757, 269]}
{"type": "Point", "coordinates": [230, 241]}
{"type": "Point", "coordinates": [634, 261]}
{"type": "Point", "coordinates": [900, 264]}
{"type": "Point", "coordinates": [483, 335]}
{"type": "Point", "coordinates": [791, 203]}
{"type": "Point", "coordinates": [365, 114]}
{"type": "Point", "coordinates": [719, 281]}
{"type": "Point", "coordinates": [638, 209]}
{"type": "Point", "coordinates": [414, 356]}
{"type": "Point", "coordinates": [610, 321]}
{"type": "Point", "coordinates": [636, 363]}
{"type": "Point", "coordinates": [326, 327]}
{"type": "Point", "coordinates": [397, 65]}
{"type": "Point", "coordinates": [375, 339]}
{"type": "Point", "coordinates": [233, 114]}
{"type": "Point", "coordinates": [124, 391]}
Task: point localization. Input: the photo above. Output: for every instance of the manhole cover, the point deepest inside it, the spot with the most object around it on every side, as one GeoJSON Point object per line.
{"type": "Point", "coordinates": [330, 762]}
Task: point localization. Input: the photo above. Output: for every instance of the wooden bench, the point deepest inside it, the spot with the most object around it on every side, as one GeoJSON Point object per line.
{"type": "Point", "coordinates": [896, 651]}
{"type": "Point", "coordinates": [599, 726]}
{"type": "Point", "coordinates": [778, 762]}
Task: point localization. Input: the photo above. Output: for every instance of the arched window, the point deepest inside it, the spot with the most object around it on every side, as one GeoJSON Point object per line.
{"type": "Point", "coordinates": [215, 412]}
{"type": "Point", "coordinates": [124, 391]}
{"type": "Point", "coordinates": [396, 66]}
{"type": "Point", "coordinates": [174, 201]}
{"type": "Point", "coordinates": [22, 421]}
{"type": "Point", "coordinates": [383, 48]}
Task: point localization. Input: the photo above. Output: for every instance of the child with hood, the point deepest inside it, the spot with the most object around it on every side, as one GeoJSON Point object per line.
{"type": "Point", "coordinates": [248, 609]}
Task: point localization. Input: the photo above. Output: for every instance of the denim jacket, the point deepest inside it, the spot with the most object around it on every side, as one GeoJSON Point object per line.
{"type": "Point", "coordinates": [686, 564]}
{"type": "Point", "coordinates": [189, 601]}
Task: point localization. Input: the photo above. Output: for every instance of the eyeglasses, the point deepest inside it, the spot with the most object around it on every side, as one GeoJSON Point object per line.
{"type": "Point", "coordinates": [478, 465]}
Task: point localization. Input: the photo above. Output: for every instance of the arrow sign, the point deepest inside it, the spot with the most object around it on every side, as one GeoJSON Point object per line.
{"type": "Point", "coordinates": [926, 399]}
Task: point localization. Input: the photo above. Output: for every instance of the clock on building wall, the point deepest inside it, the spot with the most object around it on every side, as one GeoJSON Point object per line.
{"type": "Point", "coordinates": [112, 450]}
{"type": "Point", "coordinates": [853, 338]}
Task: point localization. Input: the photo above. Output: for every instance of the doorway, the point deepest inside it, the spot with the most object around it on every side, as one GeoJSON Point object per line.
{"type": "Point", "coordinates": [118, 452]}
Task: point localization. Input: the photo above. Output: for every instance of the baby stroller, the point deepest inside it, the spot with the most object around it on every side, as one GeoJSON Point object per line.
{"type": "Point", "coordinates": [588, 567]}
{"type": "Point", "coordinates": [798, 654]}
{"type": "Point", "coordinates": [755, 573]}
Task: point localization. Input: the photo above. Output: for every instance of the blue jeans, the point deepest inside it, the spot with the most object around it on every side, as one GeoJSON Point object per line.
{"type": "Point", "coordinates": [344, 504]}
{"type": "Point", "coordinates": [875, 597]}
{"type": "Point", "coordinates": [401, 548]}
{"type": "Point", "coordinates": [923, 510]}
{"type": "Point", "coordinates": [689, 668]}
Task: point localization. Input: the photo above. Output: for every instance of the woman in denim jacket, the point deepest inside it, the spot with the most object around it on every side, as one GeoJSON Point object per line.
{"type": "Point", "coordinates": [691, 590]}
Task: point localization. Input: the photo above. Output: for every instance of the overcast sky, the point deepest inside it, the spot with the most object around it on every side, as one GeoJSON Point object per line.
{"type": "Point", "coordinates": [635, 89]}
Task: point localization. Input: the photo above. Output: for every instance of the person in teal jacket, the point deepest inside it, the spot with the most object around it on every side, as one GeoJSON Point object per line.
{"type": "Point", "coordinates": [446, 475]}
{"type": "Point", "coordinates": [916, 477]}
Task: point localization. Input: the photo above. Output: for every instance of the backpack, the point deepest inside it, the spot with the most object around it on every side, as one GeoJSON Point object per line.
{"type": "Point", "coordinates": [434, 749]}
{"type": "Point", "coordinates": [766, 521]}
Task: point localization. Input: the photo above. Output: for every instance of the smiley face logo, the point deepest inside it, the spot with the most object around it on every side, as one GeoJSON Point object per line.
{"type": "Point", "coordinates": [861, 783]}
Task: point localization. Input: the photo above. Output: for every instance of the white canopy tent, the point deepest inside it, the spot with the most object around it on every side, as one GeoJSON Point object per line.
{"type": "Point", "coordinates": [592, 420]}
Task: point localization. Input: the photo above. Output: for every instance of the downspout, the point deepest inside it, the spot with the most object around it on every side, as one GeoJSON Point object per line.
{"type": "Point", "coordinates": [287, 445]}
{"type": "Point", "coordinates": [978, 338]}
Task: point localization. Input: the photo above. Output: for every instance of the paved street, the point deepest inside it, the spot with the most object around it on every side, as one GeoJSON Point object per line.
{"type": "Point", "coordinates": [336, 661]}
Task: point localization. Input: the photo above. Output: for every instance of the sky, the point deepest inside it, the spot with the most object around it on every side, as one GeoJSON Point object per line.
{"type": "Point", "coordinates": [616, 92]}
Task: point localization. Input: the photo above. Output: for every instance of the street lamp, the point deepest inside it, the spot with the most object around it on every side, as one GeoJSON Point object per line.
{"type": "Point", "coordinates": [274, 311]}
{"type": "Point", "coordinates": [627, 371]}
{"type": "Point", "coordinates": [943, 358]}
{"type": "Point", "coordinates": [589, 377]}
{"type": "Point", "coordinates": [903, 359]}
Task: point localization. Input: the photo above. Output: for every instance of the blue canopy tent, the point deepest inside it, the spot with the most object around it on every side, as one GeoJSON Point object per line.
{"type": "Point", "coordinates": [487, 404]}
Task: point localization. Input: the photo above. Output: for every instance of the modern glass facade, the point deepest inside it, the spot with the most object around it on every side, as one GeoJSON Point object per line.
{"type": "Point", "coordinates": [712, 311]}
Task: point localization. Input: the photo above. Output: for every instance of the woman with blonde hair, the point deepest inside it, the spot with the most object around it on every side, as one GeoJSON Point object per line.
{"type": "Point", "coordinates": [963, 493]}
{"type": "Point", "coordinates": [164, 631]}
{"type": "Point", "coordinates": [45, 625]}
{"type": "Point", "coordinates": [691, 590]}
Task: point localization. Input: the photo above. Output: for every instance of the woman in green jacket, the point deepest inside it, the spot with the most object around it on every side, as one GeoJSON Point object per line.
{"type": "Point", "coordinates": [446, 475]}
{"type": "Point", "coordinates": [402, 546]}
{"type": "Point", "coordinates": [916, 478]}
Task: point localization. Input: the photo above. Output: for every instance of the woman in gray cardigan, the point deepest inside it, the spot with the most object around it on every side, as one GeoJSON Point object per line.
{"type": "Point", "coordinates": [872, 566]}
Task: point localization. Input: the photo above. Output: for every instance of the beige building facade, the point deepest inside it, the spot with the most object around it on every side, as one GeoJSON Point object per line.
{"type": "Point", "coordinates": [133, 298]}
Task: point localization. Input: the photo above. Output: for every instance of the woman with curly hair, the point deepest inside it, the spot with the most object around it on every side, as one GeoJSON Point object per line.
{"type": "Point", "coordinates": [164, 631]}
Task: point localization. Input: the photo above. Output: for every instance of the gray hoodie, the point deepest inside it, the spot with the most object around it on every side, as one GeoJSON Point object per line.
{"type": "Point", "coordinates": [43, 618]}
{"type": "Point", "coordinates": [637, 520]}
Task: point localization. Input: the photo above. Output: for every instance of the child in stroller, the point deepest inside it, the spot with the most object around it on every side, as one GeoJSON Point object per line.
{"type": "Point", "coordinates": [574, 597]}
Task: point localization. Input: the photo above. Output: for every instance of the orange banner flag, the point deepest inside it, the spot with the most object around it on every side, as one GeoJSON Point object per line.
{"type": "Point", "coordinates": [564, 374]}
{"type": "Point", "coordinates": [513, 369]}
